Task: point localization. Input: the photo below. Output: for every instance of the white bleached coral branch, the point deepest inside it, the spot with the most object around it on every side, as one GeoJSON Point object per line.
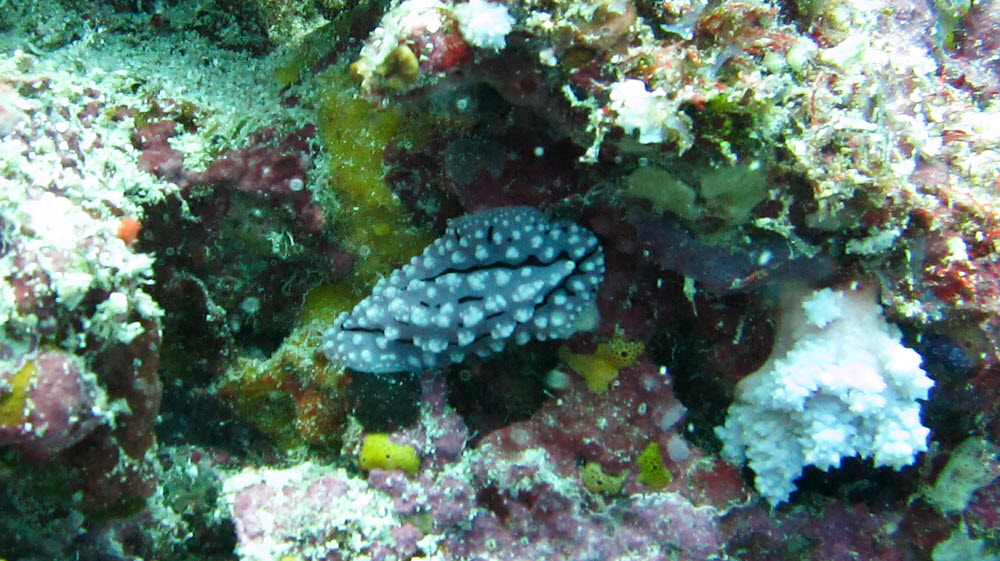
{"type": "Point", "coordinates": [838, 384]}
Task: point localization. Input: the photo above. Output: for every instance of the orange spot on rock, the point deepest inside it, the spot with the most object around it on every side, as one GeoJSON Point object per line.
{"type": "Point", "coordinates": [128, 230]}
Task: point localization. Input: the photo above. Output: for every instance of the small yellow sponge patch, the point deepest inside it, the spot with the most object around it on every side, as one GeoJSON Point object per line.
{"type": "Point", "coordinates": [597, 481]}
{"type": "Point", "coordinates": [378, 452]}
{"type": "Point", "coordinates": [601, 367]}
{"type": "Point", "coordinates": [652, 472]}
{"type": "Point", "coordinates": [13, 399]}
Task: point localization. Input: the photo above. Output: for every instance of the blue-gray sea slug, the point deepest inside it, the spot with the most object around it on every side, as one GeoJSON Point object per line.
{"type": "Point", "coordinates": [496, 275]}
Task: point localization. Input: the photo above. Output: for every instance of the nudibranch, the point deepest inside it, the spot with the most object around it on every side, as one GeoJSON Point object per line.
{"type": "Point", "coordinates": [499, 275]}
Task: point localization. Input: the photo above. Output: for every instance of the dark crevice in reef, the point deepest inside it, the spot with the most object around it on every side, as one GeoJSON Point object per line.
{"type": "Point", "coordinates": [506, 388]}
{"type": "Point", "coordinates": [383, 403]}
{"type": "Point", "coordinates": [224, 294]}
{"type": "Point", "coordinates": [859, 481]}
{"type": "Point", "coordinates": [708, 353]}
{"type": "Point", "coordinates": [190, 416]}
{"type": "Point", "coordinates": [948, 350]}
{"type": "Point", "coordinates": [218, 277]}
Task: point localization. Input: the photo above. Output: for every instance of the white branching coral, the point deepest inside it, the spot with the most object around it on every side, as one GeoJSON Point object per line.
{"type": "Point", "coordinates": [650, 113]}
{"type": "Point", "coordinates": [484, 24]}
{"type": "Point", "coordinates": [838, 384]}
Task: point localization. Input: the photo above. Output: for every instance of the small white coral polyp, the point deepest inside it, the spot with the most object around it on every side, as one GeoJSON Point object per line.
{"type": "Point", "coordinates": [484, 24]}
{"type": "Point", "coordinates": [838, 384]}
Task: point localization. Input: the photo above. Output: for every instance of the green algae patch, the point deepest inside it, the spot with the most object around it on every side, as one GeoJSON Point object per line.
{"type": "Point", "coordinates": [368, 217]}
{"type": "Point", "coordinates": [652, 471]}
{"type": "Point", "coordinates": [378, 452]}
{"type": "Point", "coordinates": [257, 391]}
{"type": "Point", "coordinates": [322, 303]}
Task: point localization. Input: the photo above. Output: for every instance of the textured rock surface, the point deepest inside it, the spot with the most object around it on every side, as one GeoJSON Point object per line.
{"type": "Point", "coordinates": [61, 404]}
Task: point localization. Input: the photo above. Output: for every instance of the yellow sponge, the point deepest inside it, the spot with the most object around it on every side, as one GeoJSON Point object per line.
{"type": "Point", "coordinates": [601, 367]}
{"type": "Point", "coordinates": [378, 452]}
{"type": "Point", "coordinates": [597, 481]}
{"type": "Point", "coordinates": [652, 471]}
{"type": "Point", "coordinates": [14, 400]}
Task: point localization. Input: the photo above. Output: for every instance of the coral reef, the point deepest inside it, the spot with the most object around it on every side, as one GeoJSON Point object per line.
{"type": "Point", "coordinates": [504, 499]}
{"type": "Point", "coordinates": [50, 404]}
{"type": "Point", "coordinates": [80, 386]}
